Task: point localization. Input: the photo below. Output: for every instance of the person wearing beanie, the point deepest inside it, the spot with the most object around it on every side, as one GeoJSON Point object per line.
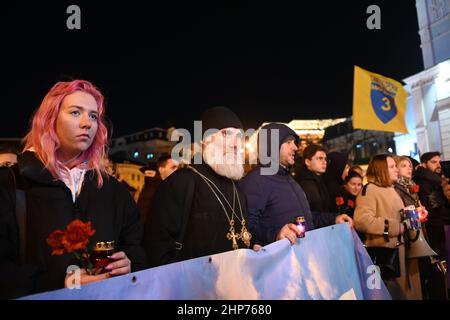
{"type": "Point", "coordinates": [219, 118]}
{"type": "Point", "coordinates": [198, 210]}
{"type": "Point", "coordinates": [276, 200]}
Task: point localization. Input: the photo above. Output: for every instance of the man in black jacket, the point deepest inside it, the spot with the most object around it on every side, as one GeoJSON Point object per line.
{"type": "Point", "coordinates": [431, 194]}
{"type": "Point", "coordinates": [310, 177]}
{"type": "Point", "coordinates": [154, 175]}
{"type": "Point", "coordinates": [311, 180]}
{"type": "Point", "coordinates": [275, 200]}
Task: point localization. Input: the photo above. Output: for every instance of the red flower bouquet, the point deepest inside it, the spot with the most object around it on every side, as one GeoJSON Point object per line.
{"type": "Point", "coordinates": [73, 240]}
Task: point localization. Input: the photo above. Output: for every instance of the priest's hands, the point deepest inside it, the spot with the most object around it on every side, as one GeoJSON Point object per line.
{"type": "Point", "coordinates": [344, 218]}
{"type": "Point", "coordinates": [290, 232]}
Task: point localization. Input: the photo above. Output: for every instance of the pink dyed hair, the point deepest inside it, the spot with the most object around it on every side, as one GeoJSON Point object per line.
{"type": "Point", "coordinates": [42, 136]}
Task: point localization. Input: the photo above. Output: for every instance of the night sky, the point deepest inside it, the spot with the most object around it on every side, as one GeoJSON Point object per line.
{"type": "Point", "coordinates": [163, 64]}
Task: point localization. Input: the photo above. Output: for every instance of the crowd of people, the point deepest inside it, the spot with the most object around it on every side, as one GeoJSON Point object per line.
{"type": "Point", "coordinates": [207, 208]}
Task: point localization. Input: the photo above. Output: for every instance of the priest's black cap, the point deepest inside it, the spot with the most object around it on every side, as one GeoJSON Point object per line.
{"type": "Point", "coordinates": [220, 118]}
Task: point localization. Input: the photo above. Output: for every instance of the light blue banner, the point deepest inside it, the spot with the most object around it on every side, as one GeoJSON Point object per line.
{"type": "Point", "coordinates": [329, 263]}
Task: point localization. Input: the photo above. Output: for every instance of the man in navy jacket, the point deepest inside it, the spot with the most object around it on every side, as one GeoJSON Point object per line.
{"type": "Point", "coordinates": [276, 199]}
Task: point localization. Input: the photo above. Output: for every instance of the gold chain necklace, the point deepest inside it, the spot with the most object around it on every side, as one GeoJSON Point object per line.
{"type": "Point", "coordinates": [244, 235]}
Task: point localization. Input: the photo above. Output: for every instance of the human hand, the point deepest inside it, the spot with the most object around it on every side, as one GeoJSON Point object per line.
{"type": "Point", "coordinates": [121, 266]}
{"type": "Point", "coordinates": [344, 218]}
{"type": "Point", "coordinates": [289, 231]}
{"type": "Point", "coordinates": [423, 214]}
{"type": "Point", "coordinates": [257, 247]}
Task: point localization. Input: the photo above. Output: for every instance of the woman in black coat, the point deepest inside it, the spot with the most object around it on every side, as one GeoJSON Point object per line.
{"type": "Point", "coordinates": [345, 199]}
{"type": "Point", "coordinates": [64, 177]}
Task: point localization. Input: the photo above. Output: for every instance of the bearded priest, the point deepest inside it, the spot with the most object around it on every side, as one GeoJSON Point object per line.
{"type": "Point", "coordinates": [199, 210]}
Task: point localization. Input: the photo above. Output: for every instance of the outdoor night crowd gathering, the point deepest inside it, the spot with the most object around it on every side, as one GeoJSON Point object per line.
{"type": "Point", "coordinates": [61, 180]}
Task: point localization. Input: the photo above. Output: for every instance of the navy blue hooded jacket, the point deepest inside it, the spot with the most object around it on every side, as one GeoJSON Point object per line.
{"type": "Point", "coordinates": [275, 200]}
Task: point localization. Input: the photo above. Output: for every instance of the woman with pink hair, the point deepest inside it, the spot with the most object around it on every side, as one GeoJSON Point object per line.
{"type": "Point", "coordinates": [62, 173]}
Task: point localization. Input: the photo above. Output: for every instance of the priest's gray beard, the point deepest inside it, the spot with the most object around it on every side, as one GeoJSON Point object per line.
{"type": "Point", "coordinates": [229, 165]}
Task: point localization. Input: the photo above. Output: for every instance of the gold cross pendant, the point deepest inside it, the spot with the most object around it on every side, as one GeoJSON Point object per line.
{"type": "Point", "coordinates": [231, 235]}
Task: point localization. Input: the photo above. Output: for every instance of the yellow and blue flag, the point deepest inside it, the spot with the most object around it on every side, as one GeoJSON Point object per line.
{"type": "Point", "coordinates": [379, 103]}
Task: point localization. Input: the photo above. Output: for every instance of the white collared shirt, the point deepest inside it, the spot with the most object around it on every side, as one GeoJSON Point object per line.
{"type": "Point", "coordinates": [73, 178]}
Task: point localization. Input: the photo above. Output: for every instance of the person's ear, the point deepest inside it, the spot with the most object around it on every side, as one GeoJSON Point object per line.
{"type": "Point", "coordinates": [307, 162]}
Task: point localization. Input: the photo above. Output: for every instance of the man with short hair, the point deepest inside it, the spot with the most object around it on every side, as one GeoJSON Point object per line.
{"type": "Point", "coordinates": [431, 194]}
{"type": "Point", "coordinates": [165, 166]}
{"type": "Point", "coordinates": [199, 210]}
{"type": "Point", "coordinates": [310, 177]}
{"type": "Point", "coordinates": [275, 200]}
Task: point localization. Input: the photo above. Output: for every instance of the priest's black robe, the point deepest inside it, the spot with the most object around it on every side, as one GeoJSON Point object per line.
{"type": "Point", "coordinates": [185, 210]}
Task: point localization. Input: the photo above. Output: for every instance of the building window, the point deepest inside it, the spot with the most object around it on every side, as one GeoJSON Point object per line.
{"type": "Point", "coordinates": [374, 148]}
{"type": "Point", "coordinates": [358, 152]}
{"type": "Point", "coordinates": [132, 177]}
{"type": "Point", "coordinates": [391, 147]}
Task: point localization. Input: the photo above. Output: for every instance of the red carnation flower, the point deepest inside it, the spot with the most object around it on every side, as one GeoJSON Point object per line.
{"type": "Point", "coordinates": [55, 240]}
{"type": "Point", "coordinates": [414, 188]}
{"type": "Point", "coordinates": [77, 235]}
{"type": "Point", "coordinates": [339, 201]}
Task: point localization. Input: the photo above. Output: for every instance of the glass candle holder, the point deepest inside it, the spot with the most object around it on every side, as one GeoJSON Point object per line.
{"type": "Point", "coordinates": [101, 256]}
{"type": "Point", "coordinates": [301, 225]}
